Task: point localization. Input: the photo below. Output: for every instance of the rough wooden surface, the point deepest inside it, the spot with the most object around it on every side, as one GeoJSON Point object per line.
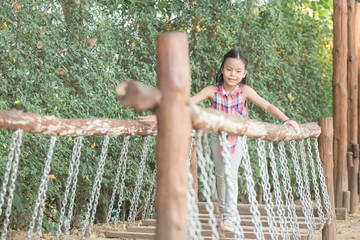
{"type": "Point", "coordinates": [327, 158]}
{"type": "Point", "coordinates": [51, 125]}
{"type": "Point", "coordinates": [340, 96]}
{"type": "Point", "coordinates": [173, 139]}
{"type": "Point", "coordinates": [138, 96]}
{"type": "Point", "coordinates": [352, 79]}
{"type": "Point", "coordinates": [211, 119]}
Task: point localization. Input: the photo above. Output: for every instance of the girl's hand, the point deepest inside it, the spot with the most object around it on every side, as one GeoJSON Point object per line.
{"type": "Point", "coordinates": [149, 120]}
{"type": "Point", "coordinates": [293, 124]}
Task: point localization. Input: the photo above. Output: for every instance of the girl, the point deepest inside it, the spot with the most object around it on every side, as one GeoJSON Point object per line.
{"type": "Point", "coordinates": [230, 94]}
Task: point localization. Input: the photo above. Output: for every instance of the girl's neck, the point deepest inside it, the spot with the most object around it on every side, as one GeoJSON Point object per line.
{"type": "Point", "coordinates": [228, 89]}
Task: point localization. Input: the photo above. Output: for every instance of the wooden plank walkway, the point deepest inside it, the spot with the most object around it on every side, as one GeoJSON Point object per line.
{"type": "Point", "coordinates": [147, 230]}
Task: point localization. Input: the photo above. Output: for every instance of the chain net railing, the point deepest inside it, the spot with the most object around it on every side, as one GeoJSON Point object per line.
{"type": "Point", "coordinates": [286, 172]}
{"type": "Point", "coordinates": [290, 207]}
{"type": "Point", "coordinates": [63, 218]}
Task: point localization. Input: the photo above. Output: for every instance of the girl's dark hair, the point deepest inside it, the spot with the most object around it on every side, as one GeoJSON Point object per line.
{"type": "Point", "coordinates": [233, 53]}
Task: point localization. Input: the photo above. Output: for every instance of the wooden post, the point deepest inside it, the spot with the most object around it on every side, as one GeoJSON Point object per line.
{"type": "Point", "coordinates": [193, 170]}
{"type": "Point", "coordinates": [357, 45]}
{"type": "Point", "coordinates": [352, 107]}
{"type": "Point", "coordinates": [173, 139]}
{"type": "Point", "coordinates": [340, 99]}
{"type": "Point", "coordinates": [326, 156]}
{"type": "Point", "coordinates": [353, 181]}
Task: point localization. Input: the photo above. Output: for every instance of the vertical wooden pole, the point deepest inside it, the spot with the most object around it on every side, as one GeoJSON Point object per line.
{"type": "Point", "coordinates": [173, 139]}
{"type": "Point", "coordinates": [193, 170]}
{"type": "Point", "coordinates": [352, 108]}
{"type": "Point", "coordinates": [326, 156]}
{"type": "Point", "coordinates": [357, 45]}
{"type": "Point", "coordinates": [340, 99]}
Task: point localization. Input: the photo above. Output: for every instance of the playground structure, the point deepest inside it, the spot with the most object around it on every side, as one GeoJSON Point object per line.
{"type": "Point", "coordinates": [172, 173]}
{"type": "Point", "coordinates": [177, 214]}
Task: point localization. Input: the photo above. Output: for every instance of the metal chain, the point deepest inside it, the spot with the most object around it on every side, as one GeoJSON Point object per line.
{"type": "Point", "coordinates": [294, 225]}
{"type": "Point", "coordinates": [307, 186]}
{"type": "Point", "coordinates": [91, 208]}
{"type": "Point", "coordinates": [254, 209]}
{"type": "Point", "coordinates": [209, 166]}
{"type": "Point", "coordinates": [204, 178]}
{"type": "Point", "coordinates": [194, 225]}
{"type": "Point", "coordinates": [148, 194]}
{"type": "Point", "coordinates": [239, 232]}
{"type": "Point", "coordinates": [45, 186]}
{"type": "Point", "coordinates": [316, 186]}
{"type": "Point", "coordinates": [269, 207]}
{"type": "Point", "coordinates": [124, 151]}
{"type": "Point", "coordinates": [40, 201]}
{"type": "Point", "coordinates": [135, 199]}
{"type": "Point", "coordinates": [73, 189]}
{"type": "Point", "coordinates": [99, 180]}
{"type": "Point", "coordinates": [15, 147]}
{"type": "Point", "coordinates": [277, 192]}
{"type": "Point", "coordinates": [299, 180]}
{"type": "Point", "coordinates": [153, 198]}
{"type": "Point", "coordinates": [121, 191]}
{"type": "Point", "coordinates": [329, 212]}
{"type": "Point", "coordinates": [67, 188]}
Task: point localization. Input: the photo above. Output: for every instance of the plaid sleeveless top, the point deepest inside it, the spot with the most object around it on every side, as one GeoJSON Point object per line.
{"type": "Point", "coordinates": [231, 103]}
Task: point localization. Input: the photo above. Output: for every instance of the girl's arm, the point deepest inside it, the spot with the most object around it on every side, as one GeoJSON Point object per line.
{"type": "Point", "coordinates": [205, 93]}
{"type": "Point", "coordinates": [249, 93]}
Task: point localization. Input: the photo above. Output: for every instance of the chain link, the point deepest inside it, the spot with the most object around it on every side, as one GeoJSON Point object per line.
{"type": "Point", "coordinates": [254, 206]}
{"type": "Point", "coordinates": [239, 232]}
{"type": "Point", "coordinates": [153, 199]}
{"type": "Point", "coordinates": [13, 157]}
{"type": "Point", "coordinates": [124, 151]}
{"type": "Point", "coordinates": [194, 225]}
{"type": "Point", "coordinates": [209, 167]}
{"type": "Point", "coordinates": [294, 225]}
{"type": "Point", "coordinates": [269, 207]}
{"type": "Point", "coordinates": [204, 178]}
{"type": "Point", "coordinates": [316, 187]}
{"type": "Point", "coordinates": [277, 192]}
{"type": "Point", "coordinates": [307, 186]}
{"type": "Point", "coordinates": [299, 180]}
{"type": "Point", "coordinates": [13, 145]}
{"type": "Point", "coordinates": [67, 188]}
{"type": "Point", "coordinates": [329, 212]}
{"type": "Point", "coordinates": [99, 179]}
{"type": "Point", "coordinates": [122, 184]}
{"type": "Point", "coordinates": [73, 189]}
{"type": "Point", "coordinates": [90, 214]}
{"type": "Point", "coordinates": [40, 201]}
{"type": "Point", "coordinates": [135, 199]}
{"type": "Point", "coordinates": [148, 194]}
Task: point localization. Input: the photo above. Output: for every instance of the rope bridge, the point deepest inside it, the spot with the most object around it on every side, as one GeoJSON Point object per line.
{"type": "Point", "coordinates": [280, 154]}
{"type": "Point", "coordinates": [278, 218]}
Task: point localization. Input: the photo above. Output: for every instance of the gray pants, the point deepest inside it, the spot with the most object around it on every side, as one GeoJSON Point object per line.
{"type": "Point", "coordinates": [227, 203]}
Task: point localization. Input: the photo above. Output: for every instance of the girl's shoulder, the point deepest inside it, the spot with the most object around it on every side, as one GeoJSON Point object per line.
{"type": "Point", "coordinates": [247, 91]}
{"type": "Point", "coordinates": [206, 92]}
{"type": "Point", "coordinates": [210, 89]}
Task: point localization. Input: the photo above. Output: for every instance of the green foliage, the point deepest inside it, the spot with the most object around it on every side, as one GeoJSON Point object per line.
{"type": "Point", "coordinates": [65, 58]}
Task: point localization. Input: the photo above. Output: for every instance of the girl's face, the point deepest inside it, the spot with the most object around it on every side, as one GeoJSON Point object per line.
{"type": "Point", "coordinates": [233, 72]}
